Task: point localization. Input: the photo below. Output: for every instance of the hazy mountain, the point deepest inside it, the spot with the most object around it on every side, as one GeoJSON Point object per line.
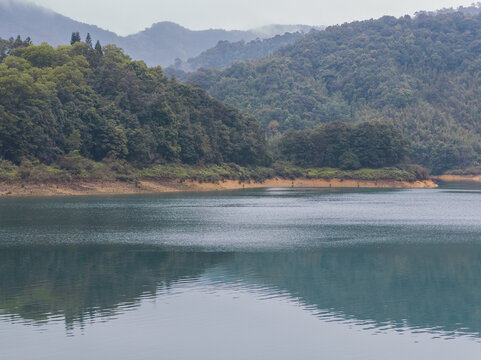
{"type": "Point", "coordinates": [269, 31]}
{"type": "Point", "coordinates": [164, 42]}
{"type": "Point", "coordinates": [226, 53]}
{"type": "Point", "coordinates": [474, 9]}
{"type": "Point", "coordinates": [43, 25]}
{"type": "Point", "coordinates": [160, 44]}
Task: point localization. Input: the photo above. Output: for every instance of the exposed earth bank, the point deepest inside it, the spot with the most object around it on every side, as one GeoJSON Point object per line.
{"type": "Point", "coordinates": [454, 178]}
{"type": "Point", "coordinates": [167, 186]}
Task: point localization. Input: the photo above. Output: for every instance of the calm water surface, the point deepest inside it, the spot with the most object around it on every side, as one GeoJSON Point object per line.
{"type": "Point", "coordinates": [263, 274]}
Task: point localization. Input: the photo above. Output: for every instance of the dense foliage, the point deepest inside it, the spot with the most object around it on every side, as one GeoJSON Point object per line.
{"type": "Point", "coordinates": [226, 53]}
{"type": "Point", "coordinates": [421, 74]}
{"type": "Point", "coordinates": [101, 104]}
{"type": "Point", "coordinates": [7, 46]}
{"type": "Point", "coordinates": [73, 167]}
{"type": "Point", "coordinates": [345, 146]}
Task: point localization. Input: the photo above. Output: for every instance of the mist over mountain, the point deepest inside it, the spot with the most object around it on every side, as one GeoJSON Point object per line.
{"type": "Point", "coordinates": [164, 42]}
{"type": "Point", "coordinates": [269, 31]}
{"type": "Point", "coordinates": [44, 25]}
{"type": "Point", "coordinates": [473, 9]}
{"type": "Point", "coordinates": [226, 53]}
{"type": "Point", "coordinates": [160, 44]}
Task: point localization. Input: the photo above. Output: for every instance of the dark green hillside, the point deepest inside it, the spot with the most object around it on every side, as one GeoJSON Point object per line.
{"type": "Point", "coordinates": [101, 104]}
{"type": "Point", "coordinates": [420, 73]}
{"type": "Point", "coordinates": [345, 146]}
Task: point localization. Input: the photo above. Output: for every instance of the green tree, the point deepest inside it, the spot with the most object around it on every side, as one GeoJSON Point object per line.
{"type": "Point", "coordinates": [4, 49]}
{"type": "Point", "coordinates": [349, 161]}
{"type": "Point", "coordinates": [98, 48]}
{"type": "Point", "coordinates": [88, 40]}
{"type": "Point", "coordinates": [75, 38]}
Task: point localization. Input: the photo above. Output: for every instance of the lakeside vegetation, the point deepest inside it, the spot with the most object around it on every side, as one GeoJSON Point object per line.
{"type": "Point", "coordinates": [74, 167]}
{"type": "Point", "coordinates": [344, 146]}
{"type": "Point", "coordinates": [85, 112]}
{"type": "Point", "coordinates": [473, 170]}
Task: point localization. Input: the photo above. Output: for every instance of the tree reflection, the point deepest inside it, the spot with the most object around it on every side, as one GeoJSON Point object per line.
{"type": "Point", "coordinates": [428, 287]}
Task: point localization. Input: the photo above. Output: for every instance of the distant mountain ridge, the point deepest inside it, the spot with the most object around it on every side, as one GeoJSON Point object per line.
{"type": "Point", "coordinates": [160, 44]}
{"type": "Point", "coordinates": [164, 42]}
{"type": "Point", "coordinates": [226, 53]}
{"type": "Point", "coordinates": [43, 25]}
{"type": "Point", "coordinates": [269, 31]}
{"type": "Point", "coordinates": [473, 9]}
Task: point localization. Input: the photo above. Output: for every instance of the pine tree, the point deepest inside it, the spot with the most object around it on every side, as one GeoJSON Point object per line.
{"type": "Point", "coordinates": [98, 48]}
{"type": "Point", "coordinates": [88, 40]}
{"type": "Point", "coordinates": [18, 42]}
{"type": "Point", "coordinates": [75, 38]}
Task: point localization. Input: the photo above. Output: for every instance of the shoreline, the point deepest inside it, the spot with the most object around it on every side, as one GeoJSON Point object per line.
{"type": "Point", "coordinates": [149, 186]}
{"type": "Point", "coordinates": [454, 178]}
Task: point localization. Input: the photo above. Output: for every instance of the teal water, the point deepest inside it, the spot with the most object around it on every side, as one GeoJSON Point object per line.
{"type": "Point", "coordinates": [263, 274]}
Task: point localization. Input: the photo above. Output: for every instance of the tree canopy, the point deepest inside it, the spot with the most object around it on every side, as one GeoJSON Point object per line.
{"type": "Point", "coordinates": [101, 104]}
{"type": "Point", "coordinates": [345, 146]}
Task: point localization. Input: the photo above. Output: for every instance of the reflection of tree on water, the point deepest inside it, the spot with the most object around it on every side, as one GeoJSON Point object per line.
{"type": "Point", "coordinates": [85, 282]}
{"type": "Point", "coordinates": [423, 287]}
{"type": "Point", "coordinates": [431, 286]}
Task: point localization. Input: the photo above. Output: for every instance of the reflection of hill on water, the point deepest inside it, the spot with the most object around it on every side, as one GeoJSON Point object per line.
{"type": "Point", "coordinates": [84, 282]}
{"type": "Point", "coordinates": [421, 287]}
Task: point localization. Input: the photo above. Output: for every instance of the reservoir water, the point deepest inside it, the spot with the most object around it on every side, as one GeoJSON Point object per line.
{"type": "Point", "coordinates": [262, 274]}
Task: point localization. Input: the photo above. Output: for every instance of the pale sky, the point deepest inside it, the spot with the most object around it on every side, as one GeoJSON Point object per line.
{"type": "Point", "coordinates": [129, 16]}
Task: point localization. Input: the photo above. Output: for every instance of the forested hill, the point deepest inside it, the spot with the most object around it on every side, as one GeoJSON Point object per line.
{"type": "Point", "coordinates": [100, 104]}
{"type": "Point", "coordinates": [226, 53]}
{"type": "Point", "coordinates": [420, 73]}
